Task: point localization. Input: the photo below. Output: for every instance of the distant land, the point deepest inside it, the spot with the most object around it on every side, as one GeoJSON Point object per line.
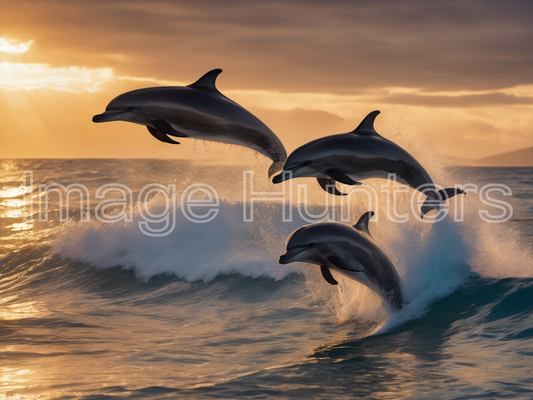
{"type": "Point", "coordinates": [518, 158]}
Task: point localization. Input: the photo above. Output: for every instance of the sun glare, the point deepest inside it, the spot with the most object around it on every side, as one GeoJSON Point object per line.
{"type": "Point", "coordinates": [13, 47]}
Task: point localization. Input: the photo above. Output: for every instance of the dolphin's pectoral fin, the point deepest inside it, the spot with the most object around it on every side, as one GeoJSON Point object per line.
{"type": "Point", "coordinates": [164, 126]}
{"type": "Point", "coordinates": [366, 127]}
{"type": "Point", "coordinates": [326, 273]}
{"type": "Point", "coordinates": [340, 263]}
{"type": "Point", "coordinates": [340, 176]}
{"type": "Point", "coordinates": [328, 185]}
{"type": "Point", "coordinates": [160, 135]}
{"type": "Point", "coordinates": [362, 224]}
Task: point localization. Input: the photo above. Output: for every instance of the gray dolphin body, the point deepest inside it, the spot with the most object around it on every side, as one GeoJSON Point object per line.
{"type": "Point", "coordinates": [198, 111]}
{"type": "Point", "coordinates": [349, 251]}
{"type": "Point", "coordinates": [357, 155]}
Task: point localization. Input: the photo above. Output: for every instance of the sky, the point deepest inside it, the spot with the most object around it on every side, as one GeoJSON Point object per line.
{"type": "Point", "coordinates": [451, 78]}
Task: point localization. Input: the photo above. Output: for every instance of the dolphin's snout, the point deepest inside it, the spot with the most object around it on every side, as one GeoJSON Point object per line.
{"type": "Point", "coordinates": [98, 118]}
{"type": "Point", "coordinates": [107, 115]}
{"type": "Point", "coordinates": [290, 255]}
{"type": "Point", "coordinates": [284, 259]}
{"type": "Point", "coordinates": [279, 178]}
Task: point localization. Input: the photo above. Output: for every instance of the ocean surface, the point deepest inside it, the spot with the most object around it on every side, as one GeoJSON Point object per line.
{"type": "Point", "coordinates": [146, 295]}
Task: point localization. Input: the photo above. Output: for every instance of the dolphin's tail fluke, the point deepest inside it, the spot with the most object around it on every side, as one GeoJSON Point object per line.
{"type": "Point", "coordinates": [435, 199]}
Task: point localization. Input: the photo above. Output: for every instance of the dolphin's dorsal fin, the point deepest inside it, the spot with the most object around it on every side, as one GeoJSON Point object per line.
{"type": "Point", "coordinates": [207, 81]}
{"type": "Point", "coordinates": [362, 224]}
{"type": "Point", "coordinates": [366, 127]}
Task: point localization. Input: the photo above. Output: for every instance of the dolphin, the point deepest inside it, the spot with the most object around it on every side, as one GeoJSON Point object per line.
{"type": "Point", "coordinates": [357, 155]}
{"type": "Point", "coordinates": [349, 251]}
{"type": "Point", "coordinates": [198, 111]}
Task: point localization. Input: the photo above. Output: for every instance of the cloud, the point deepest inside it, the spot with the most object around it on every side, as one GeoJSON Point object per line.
{"type": "Point", "coordinates": [30, 76]}
{"type": "Point", "coordinates": [473, 100]}
{"type": "Point", "coordinates": [37, 76]}
{"type": "Point", "coordinates": [300, 46]}
{"type": "Point", "coordinates": [13, 47]}
{"type": "Point", "coordinates": [309, 68]}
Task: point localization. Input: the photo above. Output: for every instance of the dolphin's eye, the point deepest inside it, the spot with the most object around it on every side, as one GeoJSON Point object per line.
{"type": "Point", "coordinates": [311, 244]}
{"type": "Point", "coordinates": [131, 108]}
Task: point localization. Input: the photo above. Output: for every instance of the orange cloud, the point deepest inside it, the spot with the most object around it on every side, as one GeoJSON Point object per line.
{"type": "Point", "coordinates": [454, 73]}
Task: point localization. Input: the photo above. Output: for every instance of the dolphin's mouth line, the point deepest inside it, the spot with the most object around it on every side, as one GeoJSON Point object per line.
{"type": "Point", "coordinates": [287, 257]}
{"type": "Point", "coordinates": [281, 176]}
{"type": "Point", "coordinates": [296, 167]}
{"type": "Point", "coordinates": [108, 114]}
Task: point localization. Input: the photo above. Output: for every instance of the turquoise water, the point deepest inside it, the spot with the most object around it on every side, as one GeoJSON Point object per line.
{"type": "Point", "coordinates": [100, 310]}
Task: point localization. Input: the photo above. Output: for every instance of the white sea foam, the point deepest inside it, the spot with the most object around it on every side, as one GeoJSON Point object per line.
{"type": "Point", "coordinates": [432, 260]}
{"type": "Point", "coordinates": [192, 251]}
